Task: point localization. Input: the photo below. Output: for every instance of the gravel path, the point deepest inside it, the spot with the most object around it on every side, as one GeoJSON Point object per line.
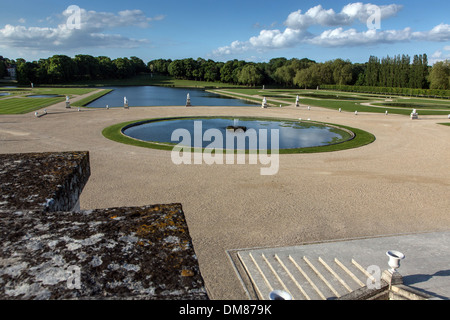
{"type": "Point", "coordinates": [399, 184]}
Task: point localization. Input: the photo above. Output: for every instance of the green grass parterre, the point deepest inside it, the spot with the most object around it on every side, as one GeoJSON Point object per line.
{"type": "Point", "coordinates": [18, 101]}
{"type": "Point", "coordinates": [349, 102]}
{"type": "Point", "coordinates": [26, 105]}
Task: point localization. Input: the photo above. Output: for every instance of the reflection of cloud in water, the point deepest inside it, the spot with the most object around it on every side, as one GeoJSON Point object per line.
{"type": "Point", "coordinates": [292, 134]}
{"type": "Point", "coordinates": [307, 137]}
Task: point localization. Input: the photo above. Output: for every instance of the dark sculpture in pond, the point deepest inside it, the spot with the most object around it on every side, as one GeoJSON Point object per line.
{"type": "Point", "coordinates": [237, 128]}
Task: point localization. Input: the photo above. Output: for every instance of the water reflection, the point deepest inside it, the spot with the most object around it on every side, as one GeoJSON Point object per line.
{"type": "Point", "coordinates": [293, 134]}
{"type": "Point", "coordinates": [140, 96]}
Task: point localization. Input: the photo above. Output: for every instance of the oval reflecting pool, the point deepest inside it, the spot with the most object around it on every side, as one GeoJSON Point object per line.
{"type": "Point", "coordinates": [220, 130]}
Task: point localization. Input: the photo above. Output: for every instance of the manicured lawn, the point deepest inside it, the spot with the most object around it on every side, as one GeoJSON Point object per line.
{"type": "Point", "coordinates": [86, 101]}
{"type": "Point", "coordinates": [26, 105]}
{"type": "Point", "coordinates": [19, 102]}
{"type": "Point", "coordinates": [61, 91]}
{"type": "Point", "coordinates": [349, 102]}
{"type": "Point", "coordinates": [255, 99]}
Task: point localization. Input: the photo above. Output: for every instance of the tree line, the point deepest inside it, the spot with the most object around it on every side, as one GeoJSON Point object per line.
{"type": "Point", "coordinates": [60, 69]}
{"type": "Point", "coordinates": [397, 72]}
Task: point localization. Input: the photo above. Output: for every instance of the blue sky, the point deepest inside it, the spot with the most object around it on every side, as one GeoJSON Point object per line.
{"type": "Point", "coordinates": [224, 30]}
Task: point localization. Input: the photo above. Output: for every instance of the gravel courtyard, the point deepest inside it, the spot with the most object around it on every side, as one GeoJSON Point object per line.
{"type": "Point", "coordinates": [397, 185]}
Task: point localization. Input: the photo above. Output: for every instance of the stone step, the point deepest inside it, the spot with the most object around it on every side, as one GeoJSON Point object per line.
{"type": "Point", "coordinates": [303, 277]}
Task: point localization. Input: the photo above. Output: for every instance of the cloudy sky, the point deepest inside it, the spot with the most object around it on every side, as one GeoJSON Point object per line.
{"type": "Point", "coordinates": [225, 30]}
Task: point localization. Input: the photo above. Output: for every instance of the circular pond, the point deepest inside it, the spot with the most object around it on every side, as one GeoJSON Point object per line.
{"type": "Point", "coordinates": [257, 133]}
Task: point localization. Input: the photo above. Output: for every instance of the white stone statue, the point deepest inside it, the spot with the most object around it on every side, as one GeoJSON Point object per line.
{"type": "Point", "coordinates": [188, 100]}
{"type": "Point", "coordinates": [264, 103]}
{"type": "Point", "coordinates": [67, 102]}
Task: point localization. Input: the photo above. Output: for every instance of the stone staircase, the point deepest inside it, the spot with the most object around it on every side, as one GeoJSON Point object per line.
{"type": "Point", "coordinates": [304, 277]}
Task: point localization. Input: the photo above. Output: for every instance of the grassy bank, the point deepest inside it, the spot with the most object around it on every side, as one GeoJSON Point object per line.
{"type": "Point", "coordinates": [84, 102]}
{"type": "Point", "coordinates": [26, 105]}
{"type": "Point", "coordinates": [350, 102]}
{"type": "Point", "coordinates": [19, 102]}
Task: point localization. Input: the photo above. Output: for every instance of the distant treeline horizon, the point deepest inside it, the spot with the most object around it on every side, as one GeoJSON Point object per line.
{"type": "Point", "coordinates": [397, 72]}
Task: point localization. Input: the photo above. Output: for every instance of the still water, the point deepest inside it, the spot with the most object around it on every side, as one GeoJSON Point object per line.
{"type": "Point", "coordinates": [292, 134]}
{"type": "Point", "coordinates": [140, 96]}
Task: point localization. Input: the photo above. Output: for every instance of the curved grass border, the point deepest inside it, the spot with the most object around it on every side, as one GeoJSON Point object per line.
{"type": "Point", "coordinates": [361, 138]}
{"type": "Point", "coordinates": [84, 102]}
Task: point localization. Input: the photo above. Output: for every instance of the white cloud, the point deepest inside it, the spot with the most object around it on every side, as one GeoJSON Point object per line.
{"type": "Point", "coordinates": [60, 38]}
{"type": "Point", "coordinates": [93, 32]}
{"type": "Point", "coordinates": [92, 20]}
{"type": "Point", "coordinates": [298, 25]}
{"type": "Point", "coordinates": [349, 14]}
{"type": "Point", "coordinates": [440, 33]}
{"type": "Point", "coordinates": [361, 12]}
{"type": "Point", "coordinates": [351, 37]}
{"type": "Point", "coordinates": [440, 55]}
{"type": "Point", "coordinates": [275, 38]}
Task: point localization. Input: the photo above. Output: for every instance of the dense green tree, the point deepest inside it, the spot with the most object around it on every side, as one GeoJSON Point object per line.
{"type": "Point", "coordinates": [284, 75]}
{"type": "Point", "coordinates": [342, 72]}
{"type": "Point", "coordinates": [358, 71]}
{"type": "Point", "coordinates": [26, 72]}
{"type": "Point", "coordinates": [440, 75]}
{"type": "Point", "coordinates": [250, 75]}
{"type": "Point", "coordinates": [160, 66]}
{"type": "Point", "coordinates": [212, 71]}
{"type": "Point", "coordinates": [61, 69]}
{"type": "Point", "coordinates": [88, 67]}
{"type": "Point", "coordinates": [230, 71]}
{"type": "Point", "coordinates": [3, 72]}
{"type": "Point", "coordinates": [404, 72]}
{"type": "Point", "coordinates": [372, 72]}
{"type": "Point", "coordinates": [189, 66]}
{"type": "Point", "coordinates": [138, 65]}
{"type": "Point", "coordinates": [308, 78]}
{"type": "Point", "coordinates": [273, 65]}
{"type": "Point", "coordinates": [106, 68]}
{"type": "Point", "coordinates": [124, 68]}
{"type": "Point", "coordinates": [176, 69]}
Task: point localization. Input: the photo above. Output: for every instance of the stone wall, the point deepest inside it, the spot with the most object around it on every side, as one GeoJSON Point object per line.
{"type": "Point", "coordinates": [42, 181]}
{"type": "Point", "coordinates": [50, 253]}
